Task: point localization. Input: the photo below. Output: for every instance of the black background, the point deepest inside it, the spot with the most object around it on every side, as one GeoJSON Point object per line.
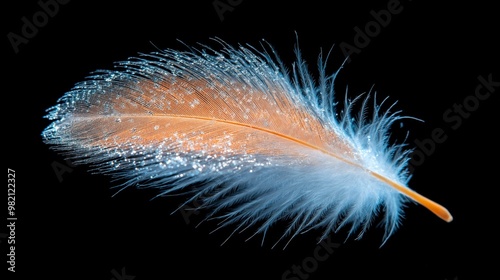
{"type": "Point", "coordinates": [427, 58]}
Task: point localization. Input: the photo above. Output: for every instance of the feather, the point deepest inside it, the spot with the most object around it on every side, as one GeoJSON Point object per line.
{"type": "Point", "coordinates": [234, 128]}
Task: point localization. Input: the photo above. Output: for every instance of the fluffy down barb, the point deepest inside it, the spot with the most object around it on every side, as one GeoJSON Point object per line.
{"type": "Point", "coordinates": [233, 128]}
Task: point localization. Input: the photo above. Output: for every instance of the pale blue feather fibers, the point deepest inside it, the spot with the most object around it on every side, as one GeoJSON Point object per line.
{"type": "Point", "coordinates": [245, 190]}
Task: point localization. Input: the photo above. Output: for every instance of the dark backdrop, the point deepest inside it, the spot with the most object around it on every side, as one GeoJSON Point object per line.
{"type": "Point", "coordinates": [428, 57]}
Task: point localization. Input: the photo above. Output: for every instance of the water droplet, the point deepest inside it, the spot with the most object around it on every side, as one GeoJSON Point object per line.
{"type": "Point", "coordinates": [194, 103]}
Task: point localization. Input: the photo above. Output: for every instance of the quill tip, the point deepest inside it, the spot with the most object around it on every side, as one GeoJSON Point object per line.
{"type": "Point", "coordinates": [444, 214]}
{"type": "Point", "coordinates": [434, 207]}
